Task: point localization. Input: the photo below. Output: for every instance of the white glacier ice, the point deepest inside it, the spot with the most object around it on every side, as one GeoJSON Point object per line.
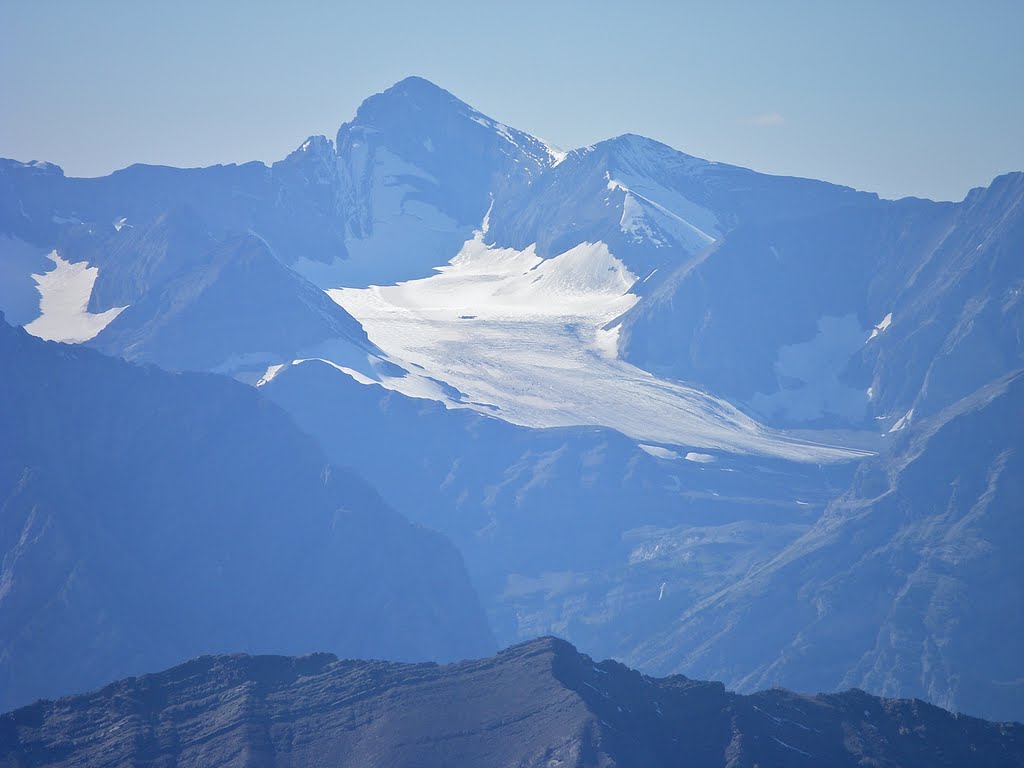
{"type": "Point", "coordinates": [63, 301]}
{"type": "Point", "coordinates": [520, 337]}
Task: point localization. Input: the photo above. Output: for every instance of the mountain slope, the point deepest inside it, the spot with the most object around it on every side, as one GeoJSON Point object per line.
{"type": "Point", "coordinates": [696, 308]}
{"type": "Point", "coordinates": [418, 169]}
{"type": "Point", "coordinates": [147, 517]}
{"type": "Point", "coordinates": [538, 704]}
{"type": "Point", "coordinates": [910, 584]}
{"type": "Point", "coordinates": [853, 317]}
{"type": "Point", "coordinates": [235, 309]}
{"type": "Point", "coordinates": [653, 205]}
{"type": "Point", "coordinates": [576, 531]}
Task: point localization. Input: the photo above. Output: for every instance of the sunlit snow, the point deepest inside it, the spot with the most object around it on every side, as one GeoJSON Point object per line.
{"type": "Point", "coordinates": [658, 452]}
{"type": "Point", "coordinates": [649, 209]}
{"type": "Point", "coordinates": [520, 337]}
{"type": "Point", "coordinates": [881, 326]}
{"type": "Point", "coordinates": [64, 299]}
{"type": "Point", "coordinates": [904, 421]}
{"type": "Point", "coordinates": [700, 458]}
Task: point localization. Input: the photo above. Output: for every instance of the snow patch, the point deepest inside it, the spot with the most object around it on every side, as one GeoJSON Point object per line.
{"type": "Point", "coordinates": [661, 216]}
{"type": "Point", "coordinates": [269, 375]}
{"type": "Point", "coordinates": [881, 326]}
{"type": "Point", "coordinates": [606, 341]}
{"type": "Point", "coordinates": [903, 422]}
{"type": "Point", "coordinates": [64, 299]}
{"type": "Point", "coordinates": [532, 353]}
{"type": "Point", "coordinates": [810, 374]}
{"type": "Point", "coordinates": [657, 451]}
{"type": "Point", "coordinates": [700, 458]}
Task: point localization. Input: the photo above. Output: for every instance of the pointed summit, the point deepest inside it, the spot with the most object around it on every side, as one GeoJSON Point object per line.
{"type": "Point", "coordinates": [419, 87]}
{"type": "Point", "coordinates": [432, 117]}
{"type": "Point", "coordinates": [418, 169]}
{"type": "Point", "coordinates": [408, 99]}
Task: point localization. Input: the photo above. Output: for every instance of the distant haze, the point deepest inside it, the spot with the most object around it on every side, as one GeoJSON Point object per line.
{"type": "Point", "coordinates": [912, 98]}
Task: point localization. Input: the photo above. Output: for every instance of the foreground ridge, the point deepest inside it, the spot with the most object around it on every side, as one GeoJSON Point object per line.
{"type": "Point", "coordinates": [538, 703]}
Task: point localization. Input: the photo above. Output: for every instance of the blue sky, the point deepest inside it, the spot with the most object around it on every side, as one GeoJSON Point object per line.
{"type": "Point", "coordinates": [902, 98]}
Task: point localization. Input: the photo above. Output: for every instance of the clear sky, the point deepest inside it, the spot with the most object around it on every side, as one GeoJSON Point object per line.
{"type": "Point", "coordinates": [899, 97]}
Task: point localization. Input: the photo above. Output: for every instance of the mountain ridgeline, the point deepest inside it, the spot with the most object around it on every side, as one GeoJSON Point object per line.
{"type": "Point", "coordinates": [693, 417]}
{"type": "Point", "coordinates": [537, 704]}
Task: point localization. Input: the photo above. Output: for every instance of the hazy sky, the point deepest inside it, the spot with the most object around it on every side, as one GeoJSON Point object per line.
{"type": "Point", "coordinates": [899, 97]}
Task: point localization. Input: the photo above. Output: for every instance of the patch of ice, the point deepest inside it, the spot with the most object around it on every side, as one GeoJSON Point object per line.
{"type": "Point", "coordinates": [556, 154]}
{"type": "Point", "coordinates": [810, 374]}
{"type": "Point", "coordinates": [271, 372]}
{"type": "Point", "coordinates": [657, 451]}
{"type": "Point", "coordinates": [886, 321]}
{"type": "Point", "coordinates": [606, 341]}
{"type": "Point", "coordinates": [64, 299]}
{"type": "Point", "coordinates": [360, 378]}
{"type": "Point", "coordinates": [700, 458]}
{"type": "Point", "coordinates": [649, 208]}
{"type": "Point", "coordinates": [633, 222]}
{"type": "Point", "coordinates": [903, 422]}
{"type": "Point", "coordinates": [532, 354]}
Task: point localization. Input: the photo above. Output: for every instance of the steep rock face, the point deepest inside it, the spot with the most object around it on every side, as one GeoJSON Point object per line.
{"type": "Point", "coordinates": [851, 317]}
{"type": "Point", "coordinates": [655, 206]}
{"type": "Point", "coordinates": [418, 172]}
{"type": "Point", "coordinates": [232, 308]}
{"type": "Point", "coordinates": [291, 204]}
{"type": "Point", "coordinates": [147, 517]}
{"type": "Point", "coordinates": [176, 250]}
{"type": "Point", "coordinates": [538, 704]}
{"type": "Point", "coordinates": [909, 583]}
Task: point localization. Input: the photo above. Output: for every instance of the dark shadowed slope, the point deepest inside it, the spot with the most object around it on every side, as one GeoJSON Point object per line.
{"type": "Point", "coordinates": [148, 517]}
{"type": "Point", "coordinates": [537, 704]}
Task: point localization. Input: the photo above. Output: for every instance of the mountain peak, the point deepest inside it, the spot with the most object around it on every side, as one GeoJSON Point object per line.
{"type": "Point", "coordinates": [415, 83]}
{"type": "Point", "coordinates": [407, 97]}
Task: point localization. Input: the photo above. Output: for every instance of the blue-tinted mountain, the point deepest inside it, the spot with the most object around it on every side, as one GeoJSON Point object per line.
{"type": "Point", "coordinates": [770, 302]}
{"type": "Point", "coordinates": [574, 530]}
{"type": "Point", "coordinates": [537, 704]}
{"type": "Point", "coordinates": [910, 582]}
{"type": "Point", "coordinates": [147, 517]}
{"type": "Point", "coordinates": [853, 317]}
